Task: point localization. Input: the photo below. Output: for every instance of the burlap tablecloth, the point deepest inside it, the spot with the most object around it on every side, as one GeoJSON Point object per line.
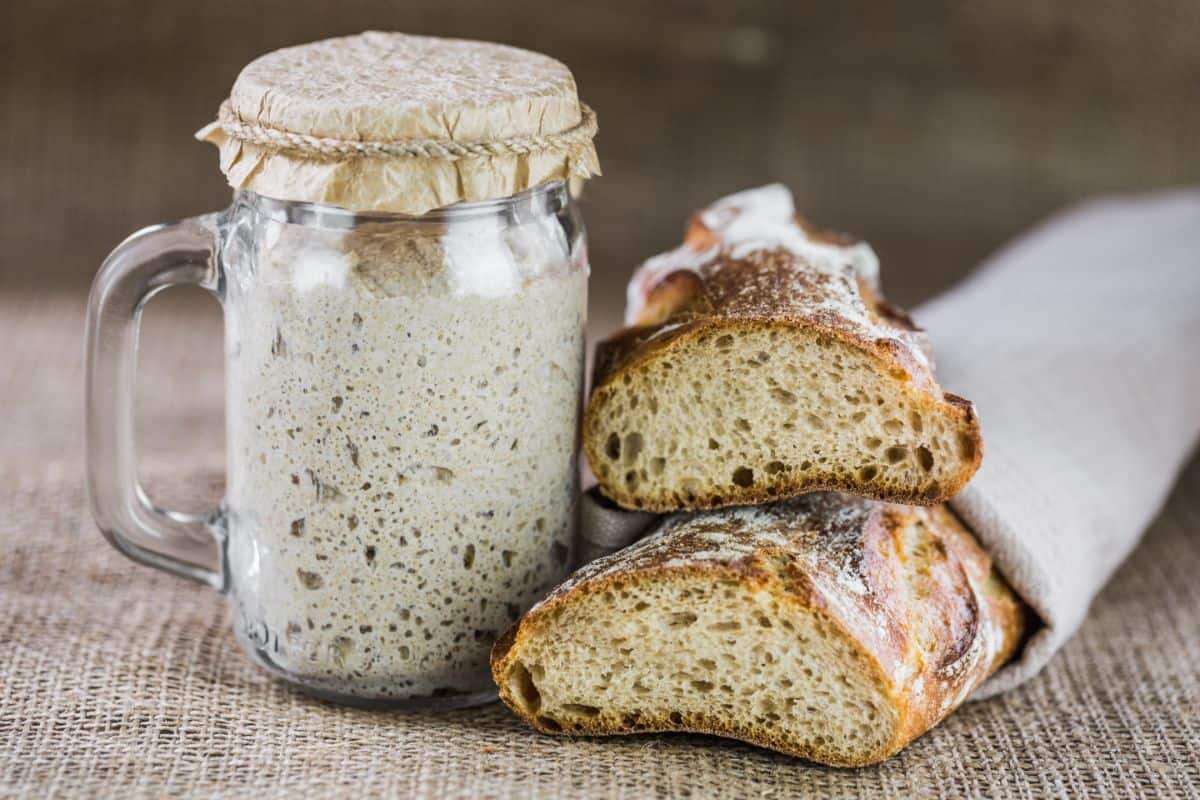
{"type": "Point", "coordinates": [119, 681]}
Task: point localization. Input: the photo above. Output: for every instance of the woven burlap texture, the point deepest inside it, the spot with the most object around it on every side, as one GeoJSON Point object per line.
{"type": "Point", "coordinates": [116, 681]}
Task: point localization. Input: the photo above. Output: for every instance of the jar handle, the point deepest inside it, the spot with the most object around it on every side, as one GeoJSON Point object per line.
{"type": "Point", "coordinates": [153, 259]}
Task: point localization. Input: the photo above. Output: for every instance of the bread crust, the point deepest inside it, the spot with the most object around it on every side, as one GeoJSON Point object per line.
{"type": "Point", "coordinates": [908, 589]}
{"type": "Point", "coordinates": [707, 287]}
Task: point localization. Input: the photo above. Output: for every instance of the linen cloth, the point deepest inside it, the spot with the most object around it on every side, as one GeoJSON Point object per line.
{"type": "Point", "coordinates": [1080, 346]}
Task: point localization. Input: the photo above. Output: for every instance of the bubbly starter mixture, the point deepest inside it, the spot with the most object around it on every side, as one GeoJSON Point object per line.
{"type": "Point", "coordinates": [402, 422]}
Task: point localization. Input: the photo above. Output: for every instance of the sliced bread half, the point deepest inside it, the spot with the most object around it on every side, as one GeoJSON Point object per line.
{"type": "Point", "coordinates": [761, 362]}
{"type": "Point", "coordinates": [830, 627]}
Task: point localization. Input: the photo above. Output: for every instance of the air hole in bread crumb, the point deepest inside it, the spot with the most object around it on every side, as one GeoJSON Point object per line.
{"type": "Point", "coordinates": [872, 442]}
{"type": "Point", "coordinates": [741, 424]}
{"type": "Point", "coordinates": [868, 473]}
{"type": "Point", "coordinates": [703, 686]}
{"type": "Point", "coordinates": [917, 424]}
{"type": "Point", "coordinates": [612, 446]}
{"type": "Point", "coordinates": [893, 426]}
{"type": "Point", "coordinates": [708, 664]}
{"type": "Point", "coordinates": [783, 396]}
{"type": "Point", "coordinates": [681, 619]}
{"type": "Point", "coordinates": [895, 455]}
{"type": "Point", "coordinates": [724, 342]}
{"type": "Point", "coordinates": [550, 724]}
{"type": "Point", "coordinates": [815, 421]}
{"type": "Point", "coordinates": [676, 718]}
{"type": "Point", "coordinates": [521, 684]}
{"type": "Point", "coordinates": [925, 458]}
{"type": "Point", "coordinates": [631, 480]}
{"type": "Point", "coordinates": [858, 416]}
{"type": "Point", "coordinates": [775, 467]}
{"type": "Point", "coordinates": [633, 447]}
{"type": "Point", "coordinates": [581, 710]}
{"type": "Point", "coordinates": [743, 476]}
{"type": "Point", "coordinates": [805, 465]}
{"type": "Point", "coordinates": [642, 605]}
{"type": "Point", "coordinates": [713, 444]}
{"type": "Point", "coordinates": [657, 465]}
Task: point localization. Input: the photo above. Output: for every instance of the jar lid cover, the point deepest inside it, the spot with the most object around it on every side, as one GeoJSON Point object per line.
{"type": "Point", "coordinates": [392, 122]}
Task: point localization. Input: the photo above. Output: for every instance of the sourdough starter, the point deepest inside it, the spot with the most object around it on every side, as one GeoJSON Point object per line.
{"type": "Point", "coordinates": [402, 423]}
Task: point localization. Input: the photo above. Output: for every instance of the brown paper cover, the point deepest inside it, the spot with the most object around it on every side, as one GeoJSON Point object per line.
{"type": "Point", "coordinates": [394, 88]}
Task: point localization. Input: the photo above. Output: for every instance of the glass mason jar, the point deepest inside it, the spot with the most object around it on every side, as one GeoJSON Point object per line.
{"type": "Point", "coordinates": [402, 414]}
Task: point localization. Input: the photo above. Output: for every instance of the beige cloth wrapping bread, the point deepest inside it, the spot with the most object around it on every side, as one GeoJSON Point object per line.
{"type": "Point", "coordinates": [1080, 345]}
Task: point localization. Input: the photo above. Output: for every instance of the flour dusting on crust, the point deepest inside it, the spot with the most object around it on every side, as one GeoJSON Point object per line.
{"type": "Point", "coordinates": [731, 536]}
{"type": "Point", "coordinates": [759, 260]}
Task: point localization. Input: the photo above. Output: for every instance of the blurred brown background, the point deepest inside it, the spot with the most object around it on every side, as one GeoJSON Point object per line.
{"type": "Point", "coordinates": [935, 129]}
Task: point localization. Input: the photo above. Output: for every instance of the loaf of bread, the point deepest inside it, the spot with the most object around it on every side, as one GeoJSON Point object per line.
{"type": "Point", "coordinates": [762, 363]}
{"type": "Point", "coordinates": [830, 627]}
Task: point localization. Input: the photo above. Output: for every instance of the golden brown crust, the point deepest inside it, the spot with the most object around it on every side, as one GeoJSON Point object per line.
{"type": "Point", "coordinates": [779, 286]}
{"type": "Point", "coordinates": [909, 589]}
{"type": "Point", "coordinates": [706, 286]}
